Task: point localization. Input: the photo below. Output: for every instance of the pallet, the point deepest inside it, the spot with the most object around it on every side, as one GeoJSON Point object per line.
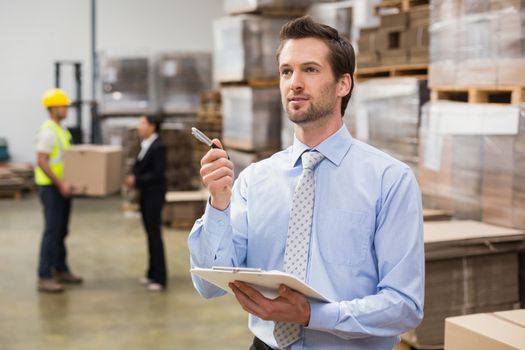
{"type": "Point", "coordinates": [254, 83]}
{"type": "Point", "coordinates": [512, 95]}
{"type": "Point", "coordinates": [11, 194]}
{"type": "Point", "coordinates": [182, 208]}
{"type": "Point", "coordinates": [419, 71]}
{"type": "Point", "coordinates": [275, 12]}
{"type": "Point", "coordinates": [401, 5]}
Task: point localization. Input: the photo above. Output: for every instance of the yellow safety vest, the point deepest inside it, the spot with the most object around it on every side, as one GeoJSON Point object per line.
{"type": "Point", "coordinates": [56, 157]}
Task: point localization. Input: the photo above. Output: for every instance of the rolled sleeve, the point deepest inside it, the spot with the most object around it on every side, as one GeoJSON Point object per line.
{"type": "Point", "coordinates": [45, 141]}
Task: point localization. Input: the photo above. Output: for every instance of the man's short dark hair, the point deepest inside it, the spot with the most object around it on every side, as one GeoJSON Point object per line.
{"type": "Point", "coordinates": [341, 57]}
{"type": "Point", "coordinates": [154, 120]}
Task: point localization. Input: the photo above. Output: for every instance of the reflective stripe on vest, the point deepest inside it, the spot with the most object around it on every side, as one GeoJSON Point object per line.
{"type": "Point", "coordinates": [56, 157]}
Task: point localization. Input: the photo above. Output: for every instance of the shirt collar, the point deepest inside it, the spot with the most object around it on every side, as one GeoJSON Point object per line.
{"type": "Point", "coordinates": [149, 140]}
{"type": "Point", "coordinates": [333, 148]}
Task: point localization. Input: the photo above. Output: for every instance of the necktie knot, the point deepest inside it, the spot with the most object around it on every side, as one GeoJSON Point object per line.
{"type": "Point", "coordinates": [310, 159]}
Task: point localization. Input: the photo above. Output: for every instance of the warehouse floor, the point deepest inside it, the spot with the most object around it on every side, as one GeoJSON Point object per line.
{"type": "Point", "coordinates": [111, 310]}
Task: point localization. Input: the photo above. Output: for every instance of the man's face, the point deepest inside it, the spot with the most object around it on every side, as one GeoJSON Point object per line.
{"type": "Point", "coordinates": [60, 112]}
{"type": "Point", "coordinates": [308, 87]}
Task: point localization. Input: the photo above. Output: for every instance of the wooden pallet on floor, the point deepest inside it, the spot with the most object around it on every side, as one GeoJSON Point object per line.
{"type": "Point", "coordinates": [479, 94]}
{"type": "Point", "coordinates": [401, 5]}
{"type": "Point", "coordinates": [419, 71]}
{"type": "Point", "coordinates": [276, 12]}
{"type": "Point", "coordinates": [254, 83]}
{"type": "Point", "coordinates": [15, 194]}
{"type": "Point", "coordinates": [182, 208]}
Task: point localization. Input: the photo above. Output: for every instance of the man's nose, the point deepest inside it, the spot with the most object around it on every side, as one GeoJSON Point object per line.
{"type": "Point", "coordinates": [296, 82]}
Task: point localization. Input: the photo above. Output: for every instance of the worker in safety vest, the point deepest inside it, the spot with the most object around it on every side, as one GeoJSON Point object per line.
{"type": "Point", "coordinates": [55, 194]}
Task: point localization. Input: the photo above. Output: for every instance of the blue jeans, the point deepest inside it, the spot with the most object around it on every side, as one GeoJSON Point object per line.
{"type": "Point", "coordinates": [53, 253]}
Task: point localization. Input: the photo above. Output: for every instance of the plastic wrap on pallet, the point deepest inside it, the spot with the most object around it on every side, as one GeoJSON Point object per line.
{"type": "Point", "coordinates": [386, 114]}
{"type": "Point", "coordinates": [244, 48]}
{"type": "Point", "coordinates": [477, 42]}
{"type": "Point", "coordinates": [246, 6]}
{"type": "Point", "coordinates": [127, 86]}
{"type": "Point", "coordinates": [503, 192]}
{"type": "Point", "coordinates": [182, 78]}
{"type": "Point", "coordinates": [337, 15]}
{"type": "Point", "coordinates": [241, 160]}
{"type": "Point", "coordinates": [251, 118]}
{"type": "Point", "coordinates": [456, 152]}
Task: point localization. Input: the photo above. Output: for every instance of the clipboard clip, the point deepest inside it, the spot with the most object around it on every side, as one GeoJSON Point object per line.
{"type": "Point", "coordinates": [236, 269]}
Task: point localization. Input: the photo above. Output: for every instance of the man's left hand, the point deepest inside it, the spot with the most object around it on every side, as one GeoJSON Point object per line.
{"type": "Point", "coordinates": [290, 306]}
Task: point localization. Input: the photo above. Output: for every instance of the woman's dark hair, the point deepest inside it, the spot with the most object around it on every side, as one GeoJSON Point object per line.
{"type": "Point", "coordinates": [341, 57]}
{"type": "Point", "coordinates": [154, 120]}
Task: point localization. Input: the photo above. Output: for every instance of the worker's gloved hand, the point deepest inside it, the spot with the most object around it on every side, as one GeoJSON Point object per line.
{"type": "Point", "coordinates": [217, 175]}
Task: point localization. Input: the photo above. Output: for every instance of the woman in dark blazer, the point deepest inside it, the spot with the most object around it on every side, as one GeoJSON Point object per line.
{"type": "Point", "coordinates": [150, 179]}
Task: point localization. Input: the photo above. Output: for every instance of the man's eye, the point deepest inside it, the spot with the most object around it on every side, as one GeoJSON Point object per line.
{"type": "Point", "coordinates": [311, 70]}
{"type": "Point", "coordinates": [286, 72]}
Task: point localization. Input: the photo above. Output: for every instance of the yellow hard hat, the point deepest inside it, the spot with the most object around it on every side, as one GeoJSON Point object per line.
{"type": "Point", "coordinates": [55, 98]}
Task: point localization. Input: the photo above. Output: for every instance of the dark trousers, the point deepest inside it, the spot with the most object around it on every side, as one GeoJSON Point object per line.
{"type": "Point", "coordinates": [53, 253]}
{"type": "Point", "coordinates": [151, 203]}
{"type": "Point", "coordinates": [259, 345]}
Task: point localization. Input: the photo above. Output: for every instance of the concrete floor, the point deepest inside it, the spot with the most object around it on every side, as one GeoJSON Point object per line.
{"type": "Point", "coordinates": [111, 310]}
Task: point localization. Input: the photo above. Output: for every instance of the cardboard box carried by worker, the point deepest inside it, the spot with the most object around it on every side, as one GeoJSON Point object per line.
{"type": "Point", "coordinates": [93, 170]}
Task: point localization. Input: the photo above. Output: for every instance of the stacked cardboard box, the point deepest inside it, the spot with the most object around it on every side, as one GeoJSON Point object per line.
{"type": "Point", "coordinates": [183, 208]}
{"type": "Point", "coordinates": [24, 172]}
{"type": "Point", "coordinates": [252, 118]}
{"type": "Point", "coordinates": [402, 38]}
{"type": "Point", "coordinates": [418, 35]}
{"type": "Point", "coordinates": [485, 39]}
{"type": "Point", "coordinates": [10, 184]}
{"type": "Point", "coordinates": [470, 267]}
{"type": "Point", "coordinates": [471, 161]}
{"type": "Point", "coordinates": [183, 76]}
{"type": "Point", "coordinates": [503, 330]}
{"type": "Point", "coordinates": [368, 53]}
{"type": "Point", "coordinates": [127, 86]}
{"type": "Point", "coordinates": [392, 39]}
{"type": "Point", "coordinates": [246, 6]}
{"type": "Point", "coordinates": [209, 121]}
{"type": "Point", "coordinates": [337, 15]}
{"type": "Point", "coordinates": [387, 115]}
{"type": "Point", "coordinates": [180, 171]}
{"type": "Point", "coordinates": [244, 48]}
{"type": "Point", "coordinates": [503, 193]}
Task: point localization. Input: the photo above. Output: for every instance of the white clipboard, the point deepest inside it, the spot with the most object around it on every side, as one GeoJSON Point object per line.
{"type": "Point", "coordinates": [266, 282]}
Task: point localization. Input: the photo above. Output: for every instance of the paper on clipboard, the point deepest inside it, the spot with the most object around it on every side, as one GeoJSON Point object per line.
{"type": "Point", "coordinates": [266, 282]}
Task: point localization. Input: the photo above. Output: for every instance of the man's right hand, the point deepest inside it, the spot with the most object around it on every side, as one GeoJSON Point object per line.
{"type": "Point", "coordinates": [217, 175]}
{"type": "Point", "coordinates": [65, 189]}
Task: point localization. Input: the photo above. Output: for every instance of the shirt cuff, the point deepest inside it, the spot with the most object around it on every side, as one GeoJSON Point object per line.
{"type": "Point", "coordinates": [216, 221]}
{"type": "Point", "coordinates": [323, 315]}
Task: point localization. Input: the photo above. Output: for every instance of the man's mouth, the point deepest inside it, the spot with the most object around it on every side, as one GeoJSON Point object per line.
{"type": "Point", "coordinates": [297, 98]}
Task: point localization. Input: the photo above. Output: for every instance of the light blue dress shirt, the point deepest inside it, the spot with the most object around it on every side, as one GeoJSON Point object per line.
{"type": "Point", "coordinates": [366, 249]}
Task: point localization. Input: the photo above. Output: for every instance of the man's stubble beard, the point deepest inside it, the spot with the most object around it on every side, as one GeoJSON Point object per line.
{"type": "Point", "coordinates": [316, 111]}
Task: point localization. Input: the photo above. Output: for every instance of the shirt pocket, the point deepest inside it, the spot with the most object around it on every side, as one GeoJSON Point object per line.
{"type": "Point", "coordinates": [344, 237]}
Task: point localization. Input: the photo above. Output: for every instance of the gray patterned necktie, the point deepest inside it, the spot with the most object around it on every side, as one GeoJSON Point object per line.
{"type": "Point", "coordinates": [298, 240]}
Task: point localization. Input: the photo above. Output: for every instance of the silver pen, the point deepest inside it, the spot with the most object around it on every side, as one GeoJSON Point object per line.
{"type": "Point", "coordinates": [199, 135]}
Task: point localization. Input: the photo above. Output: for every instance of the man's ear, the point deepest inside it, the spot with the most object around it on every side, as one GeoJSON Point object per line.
{"type": "Point", "coordinates": [345, 85]}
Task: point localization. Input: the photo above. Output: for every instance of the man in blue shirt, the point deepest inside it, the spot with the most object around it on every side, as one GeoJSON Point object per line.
{"type": "Point", "coordinates": [364, 231]}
